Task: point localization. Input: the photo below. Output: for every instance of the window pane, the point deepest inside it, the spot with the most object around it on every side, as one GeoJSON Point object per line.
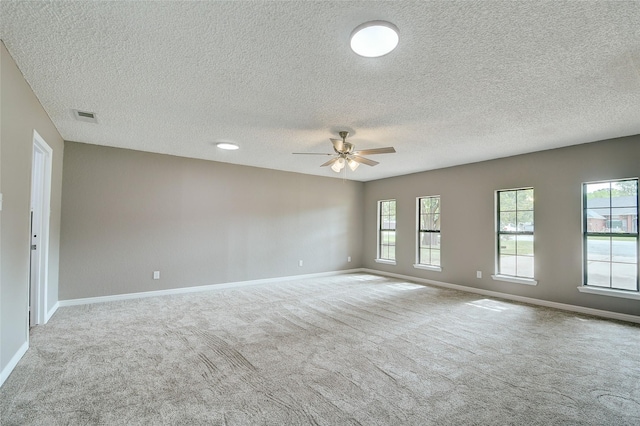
{"type": "Point", "coordinates": [525, 199]}
{"type": "Point", "coordinates": [508, 244]}
{"type": "Point", "coordinates": [624, 276]}
{"type": "Point", "coordinates": [435, 257]}
{"type": "Point", "coordinates": [622, 219]}
{"type": "Point", "coordinates": [434, 224]}
{"type": "Point", "coordinates": [435, 205]}
{"type": "Point", "coordinates": [625, 193]}
{"type": "Point", "coordinates": [392, 252]}
{"type": "Point", "coordinates": [624, 200]}
{"type": "Point", "coordinates": [384, 208]}
{"type": "Point", "coordinates": [507, 201]}
{"type": "Point", "coordinates": [435, 239]}
{"type": "Point", "coordinates": [624, 250]}
{"type": "Point", "coordinates": [598, 194]}
{"type": "Point", "coordinates": [392, 208]}
{"type": "Point", "coordinates": [430, 240]}
{"type": "Point", "coordinates": [424, 256]}
{"type": "Point", "coordinates": [384, 252]}
{"type": "Point", "coordinates": [508, 222]}
{"type": "Point", "coordinates": [423, 221]}
{"type": "Point", "coordinates": [599, 248]}
{"type": "Point", "coordinates": [424, 205]}
{"type": "Point", "coordinates": [525, 221]}
{"type": "Point", "coordinates": [427, 205]}
{"type": "Point", "coordinates": [596, 222]}
{"type": "Point", "coordinates": [525, 266]}
{"type": "Point", "coordinates": [387, 237]}
{"type": "Point", "coordinates": [508, 265]}
{"type": "Point", "coordinates": [524, 245]}
{"type": "Point", "coordinates": [598, 274]}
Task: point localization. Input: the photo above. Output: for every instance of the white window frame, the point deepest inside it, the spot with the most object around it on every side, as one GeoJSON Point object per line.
{"type": "Point", "coordinates": [417, 264]}
{"type": "Point", "coordinates": [379, 231]}
{"type": "Point", "coordinates": [608, 291]}
{"type": "Point", "coordinates": [502, 277]}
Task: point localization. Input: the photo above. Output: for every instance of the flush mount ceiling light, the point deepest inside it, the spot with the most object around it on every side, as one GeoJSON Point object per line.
{"type": "Point", "coordinates": [228, 146]}
{"type": "Point", "coordinates": [375, 38]}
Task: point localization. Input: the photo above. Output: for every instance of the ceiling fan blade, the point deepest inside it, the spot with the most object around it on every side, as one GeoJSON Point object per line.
{"type": "Point", "coordinates": [363, 160]}
{"type": "Point", "coordinates": [311, 153]}
{"type": "Point", "coordinates": [338, 145]}
{"type": "Point", "coordinates": [387, 150]}
{"type": "Point", "coordinates": [330, 162]}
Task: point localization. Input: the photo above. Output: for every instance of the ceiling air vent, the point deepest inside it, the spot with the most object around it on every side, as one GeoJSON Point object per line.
{"type": "Point", "coordinates": [89, 117]}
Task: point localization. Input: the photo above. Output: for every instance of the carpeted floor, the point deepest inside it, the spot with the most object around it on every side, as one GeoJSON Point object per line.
{"type": "Point", "coordinates": [350, 349]}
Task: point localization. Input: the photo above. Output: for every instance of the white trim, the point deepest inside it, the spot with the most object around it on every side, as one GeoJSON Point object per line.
{"type": "Point", "coordinates": [418, 265]}
{"type": "Point", "coordinates": [211, 287]}
{"type": "Point", "coordinates": [395, 230]}
{"type": "Point", "coordinates": [427, 267]}
{"type": "Point", "coordinates": [609, 292]}
{"type": "Point", "coordinates": [6, 371]}
{"type": "Point", "coordinates": [43, 281]}
{"type": "Point", "coordinates": [529, 300]}
{"type": "Point", "coordinates": [515, 280]}
{"type": "Point", "coordinates": [52, 311]}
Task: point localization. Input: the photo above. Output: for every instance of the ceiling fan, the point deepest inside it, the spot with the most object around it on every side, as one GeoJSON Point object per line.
{"type": "Point", "coordinates": [345, 155]}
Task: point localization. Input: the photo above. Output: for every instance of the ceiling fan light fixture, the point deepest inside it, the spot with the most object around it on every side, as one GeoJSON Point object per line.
{"type": "Point", "coordinates": [227, 146]}
{"type": "Point", "coordinates": [338, 165]}
{"type": "Point", "coordinates": [374, 39]}
{"type": "Point", "coordinates": [353, 165]}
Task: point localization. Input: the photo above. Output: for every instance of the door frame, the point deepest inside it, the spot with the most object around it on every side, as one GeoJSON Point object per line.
{"type": "Point", "coordinates": [40, 198]}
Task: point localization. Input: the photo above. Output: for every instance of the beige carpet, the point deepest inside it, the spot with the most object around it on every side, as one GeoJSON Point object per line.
{"type": "Point", "coordinates": [352, 349]}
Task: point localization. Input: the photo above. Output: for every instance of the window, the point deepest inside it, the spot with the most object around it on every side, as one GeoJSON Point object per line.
{"type": "Point", "coordinates": [387, 231]}
{"type": "Point", "coordinates": [428, 247]}
{"type": "Point", "coordinates": [610, 232]}
{"type": "Point", "coordinates": [515, 233]}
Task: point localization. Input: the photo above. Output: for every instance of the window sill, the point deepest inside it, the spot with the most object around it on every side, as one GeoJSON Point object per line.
{"type": "Point", "coordinates": [427, 267]}
{"type": "Point", "coordinates": [386, 261]}
{"type": "Point", "coordinates": [515, 280]}
{"type": "Point", "coordinates": [609, 292]}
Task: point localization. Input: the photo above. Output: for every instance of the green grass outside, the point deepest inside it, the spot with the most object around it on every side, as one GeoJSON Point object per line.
{"type": "Point", "coordinates": [509, 247]}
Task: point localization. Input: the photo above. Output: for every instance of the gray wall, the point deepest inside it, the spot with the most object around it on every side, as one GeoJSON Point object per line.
{"type": "Point", "coordinates": [21, 114]}
{"type": "Point", "coordinates": [467, 230]}
{"type": "Point", "coordinates": [127, 213]}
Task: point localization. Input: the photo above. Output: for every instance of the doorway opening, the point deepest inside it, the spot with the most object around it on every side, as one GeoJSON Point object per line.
{"type": "Point", "coordinates": [39, 237]}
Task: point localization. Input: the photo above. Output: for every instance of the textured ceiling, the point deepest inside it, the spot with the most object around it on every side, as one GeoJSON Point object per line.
{"type": "Point", "coordinates": [469, 81]}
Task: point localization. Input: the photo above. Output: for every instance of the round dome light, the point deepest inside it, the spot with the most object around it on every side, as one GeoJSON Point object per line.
{"type": "Point", "coordinates": [228, 146]}
{"type": "Point", "coordinates": [375, 38]}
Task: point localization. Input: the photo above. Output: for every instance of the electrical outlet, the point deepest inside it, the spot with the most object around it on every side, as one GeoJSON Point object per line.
{"type": "Point", "coordinates": [299, 262]}
{"type": "Point", "coordinates": [156, 275]}
{"type": "Point", "coordinates": [478, 274]}
{"type": "Point", "coordinates": [348, 258]}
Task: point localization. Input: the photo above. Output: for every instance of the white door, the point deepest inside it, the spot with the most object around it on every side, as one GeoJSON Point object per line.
{"type": "Point", "coordinates": [36, 233]}
{"type": "Point", "coordinates": [39, 237]}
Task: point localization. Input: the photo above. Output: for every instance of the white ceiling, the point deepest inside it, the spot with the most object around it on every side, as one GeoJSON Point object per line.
{"type": "Point", "coordinates": [469, 81]}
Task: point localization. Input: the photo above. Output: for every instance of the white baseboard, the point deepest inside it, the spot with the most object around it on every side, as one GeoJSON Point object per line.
{"type": "Point", "coordinates": [6, 371]}
{"type": "Point", "coordinates": [212, 287]}
{"type": "Point", "coordinates": [529, 300]}
{"type": "Point", "coordinates": [52, 311]}
{"type": "Point", "coordinates": [238, 284]}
